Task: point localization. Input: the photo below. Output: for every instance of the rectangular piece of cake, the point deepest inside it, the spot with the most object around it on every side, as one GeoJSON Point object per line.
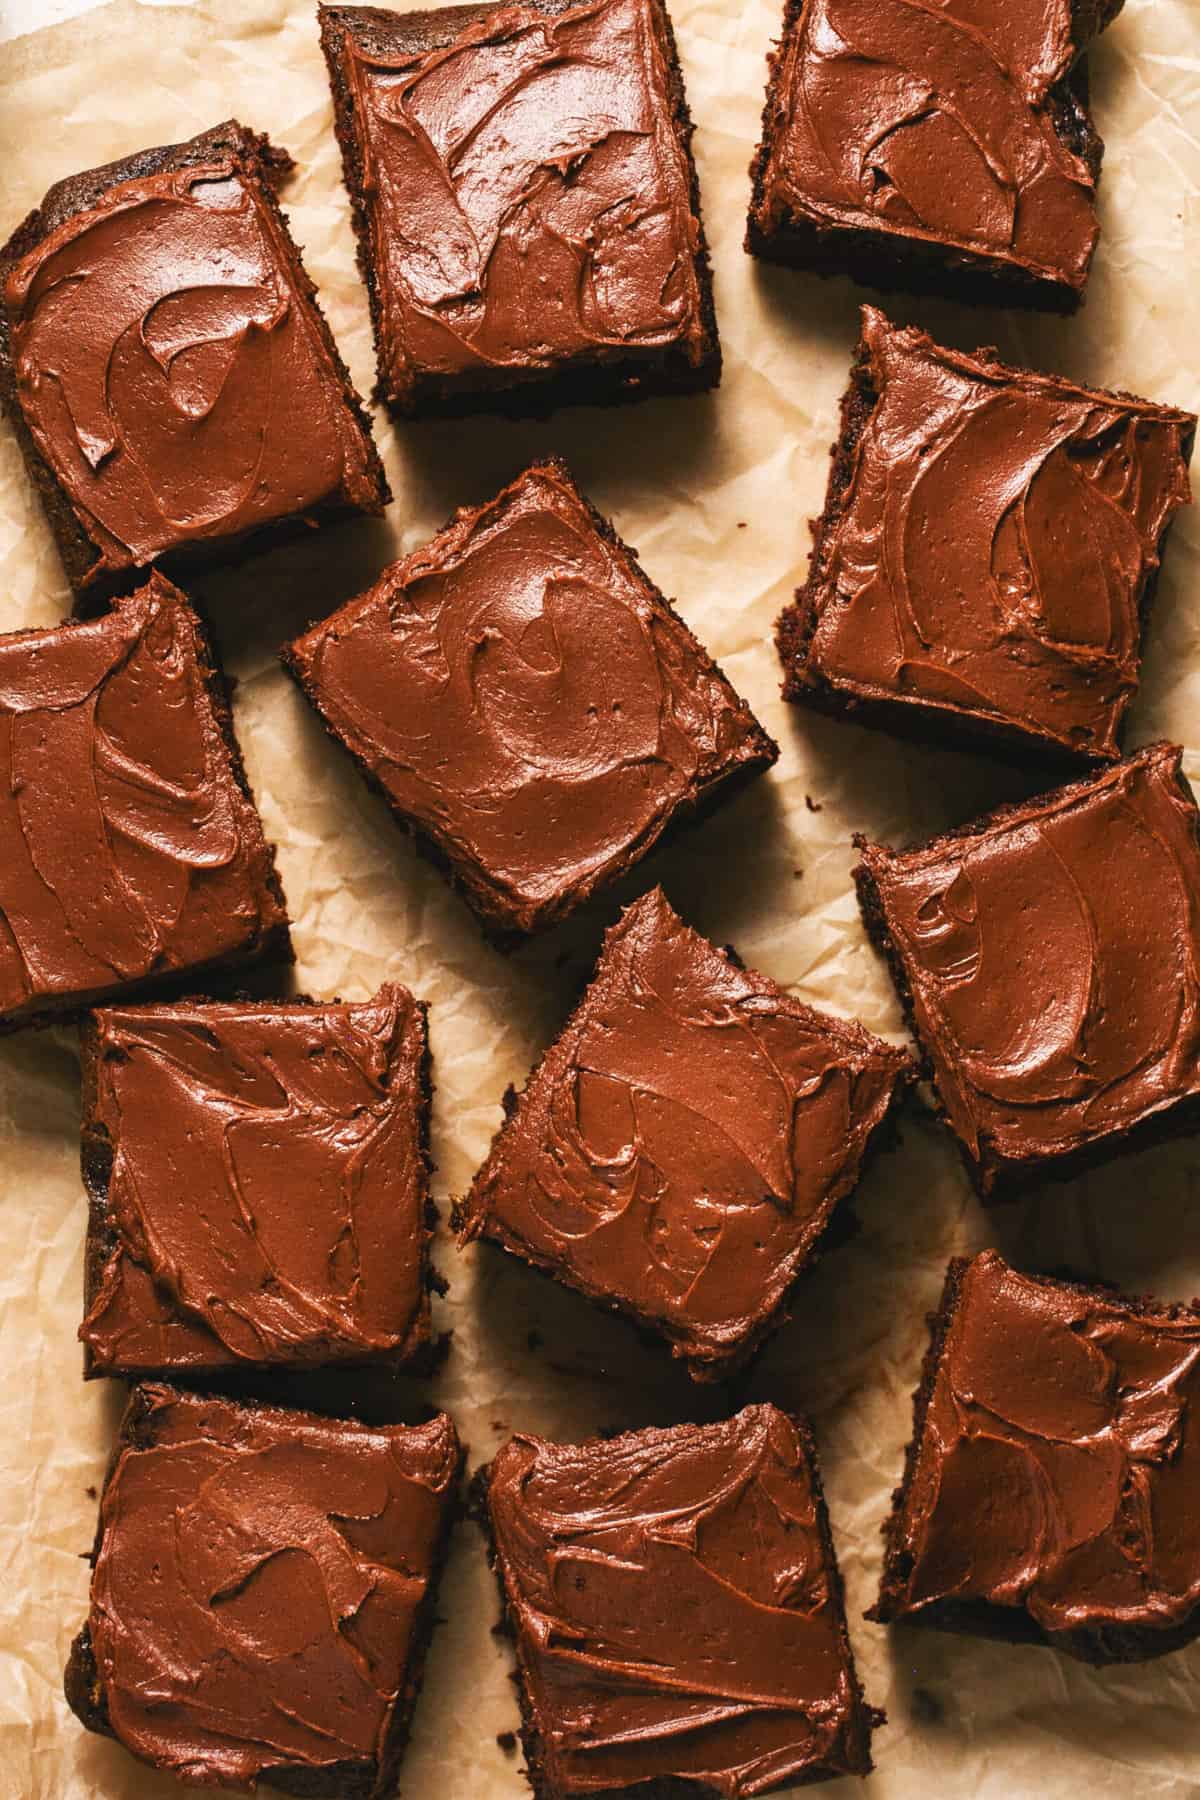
{"type": "Point", "coordinates": [1049, 1492]}
{"type": "Point", "coordinates": [676, 1609]}
{"type": "Point", "coordinates": [678, 1152]}
{"type": "Point", "coordinates": [989, 547]}
{"type": "Point", "coordinates": [172, 382]}
{"type": "Point", "coordinates": [526, 203]}
{"type": "Point", "coordinates": [529, 703]}
{"type": "Point", "coordinates": [131, 853]}
{"type": "Point", "coordinates": [939, 147]}
{"type": "Point", "coordinates": [258, 1181]}
{"type": "Point", "coordinates": [263, 1586]}
{"type": "Point", "coordinates": [1047, 957]}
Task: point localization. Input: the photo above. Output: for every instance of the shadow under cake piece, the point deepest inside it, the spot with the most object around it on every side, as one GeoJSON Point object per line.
{"type": "Point", "coordinates": [171, 379]}
{"type": "Point", "coordinates": [526, 204]}
{"type": "Point", "coordinates": [529, 704]}
{"type": "Point", "coordinates": [1048, 957]}
{"type": "Point", "coordinates": [676, 1609]}
{"type": "Point", "coordinates": [990, 541]}
{"type": "Point", "coordinates": [678, 1152]}
{"type": "Point", "coordinates": [258, 1185]}
{"type": "Point", "coordinates": [262, 1592]}
{"type": "Point", "coordinates": [1049, 1492]}
{"type": "Point", "coordinates": [945, 148]}
{"type": "Point", "coordinates": [130, 850]}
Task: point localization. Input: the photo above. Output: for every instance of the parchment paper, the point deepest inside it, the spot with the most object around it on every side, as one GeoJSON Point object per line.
{"type": "Point", "coordinates": [716, 493]}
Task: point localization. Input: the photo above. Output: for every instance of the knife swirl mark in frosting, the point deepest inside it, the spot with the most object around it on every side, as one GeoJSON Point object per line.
{"type": "Point", "coordinates": [673, 1607]}
{"type": "Point", "coordinates": [995, 540]}
{"type": "Point", "coordinates": [1054, 960]}
{"type": "Point", "coordinates": [683, 1143]}
{"type": "Point", "coordinates": [1059, 1458]}
{"type": "Point", "coordinates": [936, 122]}
{"type": "Point", "coordinates": [127, 848]}
{"type": "Point", "coordinates": [216, 1260]}
{"type": "Point", "coordinates": [258, 1581]}
{"type": "Point", "coordinates": [520, 692]}
{"type": "Point", "coordinates": [529, 196]}
{"type": "Point", "coordinates": [172, 372]}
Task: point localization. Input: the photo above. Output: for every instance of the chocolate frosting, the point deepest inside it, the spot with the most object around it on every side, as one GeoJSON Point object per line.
{"type": "Point", "coordinates": [172, 369]}
{"type": "Point", "coordinates": [213, 1259]}
{"type": "Point", "coordinates": [257, 1584]}
{"type": "Point", "coordinates": [1053, 958]}
{"type": "Point", "coordinates": [677, 1609]}
{"type": "Point", "coordinates": [1058, 1464]}
{"type": "Point", "coordinates": [128, 849]}
{"type": "Point", "coordinates": [681, 1147]}
{"type": "Point", "coordinates": [526, 698]}
{"type": "Point", "coordinates": [937, 123]}
{"type": "Point", "coordinates": [529, 192]}
{"type": "Point", "coordinates": [994, 542]}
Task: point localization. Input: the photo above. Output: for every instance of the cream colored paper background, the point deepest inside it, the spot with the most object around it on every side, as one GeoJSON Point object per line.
{"type": "Point", "coordinates": [716, 493]}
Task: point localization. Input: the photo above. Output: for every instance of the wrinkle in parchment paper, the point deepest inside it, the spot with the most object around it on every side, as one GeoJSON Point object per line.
{"type": "Point", "coordinates": [716, 494]}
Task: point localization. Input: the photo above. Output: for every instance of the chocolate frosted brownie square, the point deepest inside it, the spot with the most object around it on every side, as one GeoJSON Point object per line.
{"type": "Point", "coordinates": [989, 545]}
{"type": "Point", "coordinates": [526, 202]}
{"type": "Point", "coordinates": [529, 704]}
{"type": "Point", "coordinates": [263, 1587]}
{"type": "Point", "coordinates": [130, 850]}
{"type": "Point", "coordinates": [679, 1151]}
{"type": "Point", "coordinates": [945, 147]}
{"type": "Point", "coordinates": [677, 1611]}
{"type": "Point", "coordinates": [258, 1183]}
{"type": "Point", "coordinates": [1047, 957]}
{"type": "Point", "coordinates": [1050, 1487]}
{"type": "Point", "coordinates": [172, 382]}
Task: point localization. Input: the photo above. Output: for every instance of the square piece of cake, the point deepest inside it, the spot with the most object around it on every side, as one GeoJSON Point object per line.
{"type": "Point", "coordinates": [263, 1587]}
{"type": "Point", "coordinates": [130, 849]}
{"type": "Point", "coordinates": [989, 546]}
{"type": "Point", "coordinates": [943, 147]}
{"type": "Point", "coordinates": [258, 1183]}
{"type": "Point", "coordinates": [529, 704]}
{"type": "Point", "coordinates": [526, 203]}
{"type": "Point", "coordinates": [1047, 958]}
{"type": "Point", "coordinates": [171, 379]}
{"type": "Point", "coordinates": [1050, 1487]}
{"type": "Point", "coordinates": [677, 1611]}
{"type": "Point", "coordinates": [679, 1151]}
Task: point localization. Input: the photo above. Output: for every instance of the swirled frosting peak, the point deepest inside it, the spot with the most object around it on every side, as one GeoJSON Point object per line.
{"type": "Point", "coordinates": [171, 366]}
{"type": "Point", "coordinates": [1052, 958]}
{"type": "Point", "coordinates": [993, 543]}
{"type": "Point", "coordinates": [677, 1610]}
{"type": "Point", "coordinates": [527, 186]}
{"type": "Point", "coordinates": [528, 701]}
{"type": "Point", "coordinates": [680, 1148]}
{"type": "Point", "coordinates": [206, 1258]}
{"type": "Point", "coordinates": [951, 127]}
{"type": "Point", "coordinates": [129, 849]}
{"type": "Point", "coordinates": [261, 1580]}
{"type": "Point", "coordinates": [1056, 1465]}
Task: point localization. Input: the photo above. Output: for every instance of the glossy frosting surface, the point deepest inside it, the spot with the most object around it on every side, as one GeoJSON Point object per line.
{"type": "Point", "coordinates": [127, 849]}
{"type": "Point", "coordinates": [172, 371]}
{"type": "Point", "coordinates": [257, 1583]}
{"type": "Point", "coordinates": [1059, 1460]}
{"type": "Point", "coordinates": [997, 532]}
{"type": "Point", "coordinates": [1054, 961]}
{"type": "Point", "coordinates": [268, 1185]}
{"type": "Point", "coordinates": [681, 1147]}
{"type": "Point", "coordinates": [674, 1607]}
{"type": "Point", "coordinates": [932, 122]}
{"type": "Point", "coordinates": [528, 192]}
{"type": "Point", "coordinates": [524, 697]}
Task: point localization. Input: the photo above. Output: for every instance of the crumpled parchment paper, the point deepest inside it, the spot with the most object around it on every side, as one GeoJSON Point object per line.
{"type": "Point", "coordinates": [716, 494]}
